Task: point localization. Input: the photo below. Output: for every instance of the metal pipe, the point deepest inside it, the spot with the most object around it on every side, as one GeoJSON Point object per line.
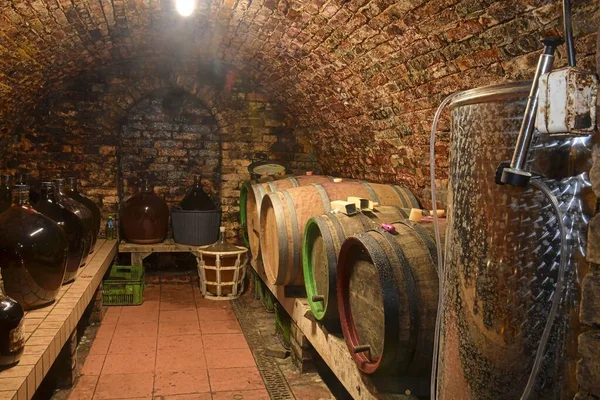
{"type": "Point", "coordinates": [568, 28]}
{"type": "Point", "coordinates": [516, 175]}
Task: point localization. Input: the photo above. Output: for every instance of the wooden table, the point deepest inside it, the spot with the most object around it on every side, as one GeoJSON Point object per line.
{"type": "Point", "coordinates": [47, 329]}
{"type": "Point", "coordinates": [141, 251]}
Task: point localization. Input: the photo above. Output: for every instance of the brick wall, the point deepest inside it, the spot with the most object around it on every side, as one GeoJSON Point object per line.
{"type": "Point", "coordinates": [167, 138]}
{"type": "Point", "coordinates": [111, 129]}
{"type": "Point", "coordinates": [359, 74]}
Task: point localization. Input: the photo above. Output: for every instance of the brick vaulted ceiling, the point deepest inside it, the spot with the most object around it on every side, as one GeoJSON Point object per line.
{"type": "Point", "coordinates": [364, 74]}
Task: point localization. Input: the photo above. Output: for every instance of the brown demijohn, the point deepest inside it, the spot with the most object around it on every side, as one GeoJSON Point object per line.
{"type": "Point", "coordinates": [12, 339]}
{"type": "Point", "coordinates": [145, 217]}
{"type": "Point", "coordinates": [71, 225]}
{"type": "Point", "coordinates": [72, 191]}
{"type": "Point", "coordinates": [81, 211]}
{"type": "Point", "coordinates": [33, 253]}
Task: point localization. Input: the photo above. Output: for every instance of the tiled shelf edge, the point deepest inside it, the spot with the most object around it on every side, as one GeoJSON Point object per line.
{"type": "Point", "coordinates": [47, 329]}
{"type": "Point", "coordinates": [331, 348]}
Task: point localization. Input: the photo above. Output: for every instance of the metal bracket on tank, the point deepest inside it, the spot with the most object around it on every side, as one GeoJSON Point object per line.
{"type": "Point", "coordinates": [514, 173]}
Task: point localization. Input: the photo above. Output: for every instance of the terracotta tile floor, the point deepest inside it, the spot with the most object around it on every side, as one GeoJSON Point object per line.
{"type": "Point", "coordinates": [175, 346]}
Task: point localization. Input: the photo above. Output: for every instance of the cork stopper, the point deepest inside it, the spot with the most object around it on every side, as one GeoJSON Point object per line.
{"type": "Point", "coordinates": [222, 229]}
{"type": "Point", "coordinates": [309, 173]}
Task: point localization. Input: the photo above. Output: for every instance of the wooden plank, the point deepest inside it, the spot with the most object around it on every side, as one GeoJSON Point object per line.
{"type": "Point", "coordinates": [331, 348]}
{"type": "Point", "coordinates": [47, 329]}
{"type": "Point", "coordinates": [168, 246]}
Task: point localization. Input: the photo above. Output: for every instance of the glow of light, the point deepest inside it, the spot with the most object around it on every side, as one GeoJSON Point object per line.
{"type": "Point", "coordinates": [185, 8]}
{"type": "Point", "coordinates": [36, 232]}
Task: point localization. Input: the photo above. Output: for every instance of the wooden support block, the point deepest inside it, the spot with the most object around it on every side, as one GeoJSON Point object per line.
{"type": "Point", "coordinates": [344, 207]}
{"type": "Point", "coordinates": [137, 258]}
{"type": "Point", "coordinates": [360, 203]}
{"type": "Point", "coordinates": [415, 215]}
{"type": "Point", "coordinates": [440, 213]}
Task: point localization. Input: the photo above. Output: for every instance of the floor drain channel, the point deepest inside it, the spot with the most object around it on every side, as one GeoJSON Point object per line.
{"type": "Point", "coordinates": [275, 382]}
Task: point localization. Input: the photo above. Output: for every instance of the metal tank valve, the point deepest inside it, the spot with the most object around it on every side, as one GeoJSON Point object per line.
{"type": "Point", "coordinates": [514, 173]}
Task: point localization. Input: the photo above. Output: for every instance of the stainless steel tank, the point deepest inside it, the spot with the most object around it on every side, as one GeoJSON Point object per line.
{"type": "Point", "coordinates": [502, 251]}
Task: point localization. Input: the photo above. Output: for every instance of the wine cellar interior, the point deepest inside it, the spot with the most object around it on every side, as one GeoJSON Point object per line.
{"type": "Point", "coordinates": [299, 199]}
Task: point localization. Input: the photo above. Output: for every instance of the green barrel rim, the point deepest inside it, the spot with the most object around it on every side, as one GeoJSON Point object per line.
{"type": "Point", "coordinates": [325, 312]}
{"type": "Point", "coordinates": [243, 216]}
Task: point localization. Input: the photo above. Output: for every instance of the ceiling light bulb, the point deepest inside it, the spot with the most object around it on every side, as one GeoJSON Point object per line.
{"type": "Point", "coordinates": [185, 7]}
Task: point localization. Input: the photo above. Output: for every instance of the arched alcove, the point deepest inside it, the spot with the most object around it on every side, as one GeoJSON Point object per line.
{"type": "Point", "coordinates": [79, 130]}
{"type": "Point", "coordinates": [168, 137]}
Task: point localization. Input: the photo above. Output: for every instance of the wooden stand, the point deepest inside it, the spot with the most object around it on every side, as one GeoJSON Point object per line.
{"type": "Point", "coordinates": [141, 251]}
{"type": "Point", "coordinates": [331, 348]}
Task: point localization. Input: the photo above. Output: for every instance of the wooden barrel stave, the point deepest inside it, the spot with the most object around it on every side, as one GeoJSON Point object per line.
{"type": "Point", "coordinates": [308, 201]}
{"type": "Point", "coordinates": [323, 237]}
{"type": "Point", "coordinates": [405, 268]}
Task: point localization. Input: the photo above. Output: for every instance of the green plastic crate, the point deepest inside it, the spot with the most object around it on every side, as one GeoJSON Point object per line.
{"type": "Point", "coordinates": [124, 286]}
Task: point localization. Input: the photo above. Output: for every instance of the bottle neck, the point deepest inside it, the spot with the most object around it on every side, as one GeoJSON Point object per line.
{"type": "Point", "coordinates": [48, 191]}
{"type": "Point", "coordinates": [72, 185]}
{"type": "Point", "coordinates": [221, 237]}
{"type": "Point", "coordinates": [21, 179]}
{"type": "Point", "coordinates": [59, 186]}
{"type": "Point", "coordinates": [3, 294]}
{"type": "Point", "coordinates": [146, 188]}
{"type": "Point", "coordinates": [20, 195]}
{"type": "Point", "coordinates": [6, 181]}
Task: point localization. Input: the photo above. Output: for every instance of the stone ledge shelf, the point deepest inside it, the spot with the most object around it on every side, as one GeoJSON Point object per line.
{"type": "Point", "coordinates": [47, 329]}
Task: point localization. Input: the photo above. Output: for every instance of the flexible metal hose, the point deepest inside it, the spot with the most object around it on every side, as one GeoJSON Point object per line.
{"type": "Point", "coordinates": [438, 239]}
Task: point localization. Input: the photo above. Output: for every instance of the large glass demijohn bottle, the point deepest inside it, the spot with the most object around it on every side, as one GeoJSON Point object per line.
{"type": "Point", "coordinates": [12, 340]}
{"type": "Point", "coordinates": [72, 191]}
{"type": "Point", "coordinates": [71, 224]}
{"type": "Point", "coordinates": [78, 209]}
{"type": "Point", "coordinates": [197, 199]}
{"type": "Point", "coordinates": [145, 217]}
{"type": "Point", "coordinates": [33, 253]}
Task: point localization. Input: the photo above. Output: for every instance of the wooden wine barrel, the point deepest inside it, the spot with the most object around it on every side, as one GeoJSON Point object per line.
{"type": "Point", "coordinates": [387, 288]}
{"type": "Point", "coordinates": [254, 195]}
{"type": "Point", "coordinates": [244, 198]}
{"type": "Point", "coordinates": [283, 216]}
{"type": "Point", "coordinates": [323, 237]}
